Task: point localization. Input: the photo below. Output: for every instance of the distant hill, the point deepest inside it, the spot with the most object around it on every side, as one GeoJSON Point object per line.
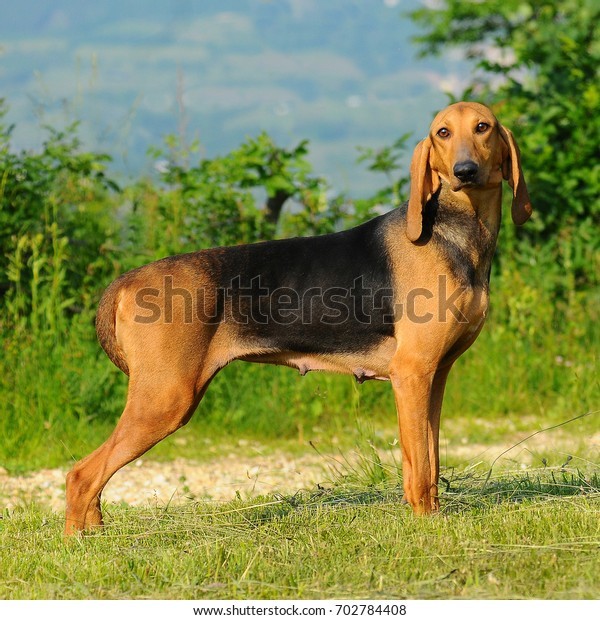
{"type": "Point", "coordinates": [340, 73]}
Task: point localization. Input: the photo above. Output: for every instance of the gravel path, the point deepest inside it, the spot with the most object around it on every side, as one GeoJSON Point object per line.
{"type": "Point", "coordinates": [176, 481]}
{"type": "Point", "coordinates": [249, 472]}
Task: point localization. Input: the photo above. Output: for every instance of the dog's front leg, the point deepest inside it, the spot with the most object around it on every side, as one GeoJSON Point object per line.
{"type": "Point", "coordinates": [412, 382]}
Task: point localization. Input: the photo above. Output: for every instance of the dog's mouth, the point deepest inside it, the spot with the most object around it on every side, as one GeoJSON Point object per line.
{"type": "Point", "coordinates": [457, 185]}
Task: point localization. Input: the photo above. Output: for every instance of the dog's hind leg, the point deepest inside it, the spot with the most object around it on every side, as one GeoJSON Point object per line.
{"type": "Point", "coordinates": [157, 405]}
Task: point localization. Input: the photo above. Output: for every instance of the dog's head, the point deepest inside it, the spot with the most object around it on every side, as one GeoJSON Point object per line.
{"type": "Point", "coordinates": [468, 149]}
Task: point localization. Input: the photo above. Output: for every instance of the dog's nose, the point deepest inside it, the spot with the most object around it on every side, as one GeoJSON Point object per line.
{"type": "Point", "coordinates": [466, 171]}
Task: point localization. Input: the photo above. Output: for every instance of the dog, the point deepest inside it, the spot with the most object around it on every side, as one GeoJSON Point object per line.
{"type": "Point", "coordinates": [398, 298]}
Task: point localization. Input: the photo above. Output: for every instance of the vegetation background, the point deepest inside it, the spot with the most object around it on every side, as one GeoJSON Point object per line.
{"type": "Point", "coordinates": [71, 221]}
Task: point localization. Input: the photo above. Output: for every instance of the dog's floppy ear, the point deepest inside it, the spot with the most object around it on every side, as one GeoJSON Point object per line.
{"type": "Point", "coordinates": [424, 182]}
{"type": "Point", "coordinates": [512, 172]}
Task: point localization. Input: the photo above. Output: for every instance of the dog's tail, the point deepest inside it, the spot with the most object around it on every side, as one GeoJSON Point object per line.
{"type": "Point", "coordinates": [106, 320]}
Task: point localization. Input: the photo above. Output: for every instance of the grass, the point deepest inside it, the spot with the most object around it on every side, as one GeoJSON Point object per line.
{"type": "Point", "coordinates": [347, 541]}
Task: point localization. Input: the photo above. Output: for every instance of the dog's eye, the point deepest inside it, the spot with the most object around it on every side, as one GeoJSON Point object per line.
{"type": "Point", "coordinates": [443, 133]}
{"type": "Point", "coordinates": [482, 127]}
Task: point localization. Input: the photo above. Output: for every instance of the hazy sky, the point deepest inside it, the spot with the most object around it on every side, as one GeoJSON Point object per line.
{"type": "Point", "coordinates": [340, 73]}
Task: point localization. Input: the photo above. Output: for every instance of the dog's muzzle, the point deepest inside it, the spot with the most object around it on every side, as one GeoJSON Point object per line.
{"type": "Point", "coordinates": [466, 171]}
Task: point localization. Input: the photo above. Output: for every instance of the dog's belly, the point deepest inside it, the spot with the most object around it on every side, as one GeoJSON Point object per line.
{"type": "Point", "coordinates": [371, 364]}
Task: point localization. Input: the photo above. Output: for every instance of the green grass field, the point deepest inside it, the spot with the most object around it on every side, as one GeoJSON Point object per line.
{"type": "Point", "coordinates": [532, 535]}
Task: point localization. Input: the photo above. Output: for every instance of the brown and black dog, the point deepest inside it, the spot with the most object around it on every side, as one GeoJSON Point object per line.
{"type": "Point", "coordinates": [398, 298]}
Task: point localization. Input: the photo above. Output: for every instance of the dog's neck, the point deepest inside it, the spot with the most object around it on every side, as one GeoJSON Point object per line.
{"type": "Point", "coordinates": [483, 204]}
{"type": "Point", "coordinates": [468, 221]}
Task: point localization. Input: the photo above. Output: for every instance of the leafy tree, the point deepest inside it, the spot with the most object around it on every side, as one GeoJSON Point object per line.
{"type": "Point", "coordinates": [387, 160]}
{"type": "Point", "coordinates": [217, 201]}
{"type": "Point", "coordinates": [55, 219]}
{"type": "Point", "coordinates": [539, 63]}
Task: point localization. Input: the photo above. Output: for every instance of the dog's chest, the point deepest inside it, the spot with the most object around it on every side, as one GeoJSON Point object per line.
{"type": "Point", "coordinates": [474, 308]}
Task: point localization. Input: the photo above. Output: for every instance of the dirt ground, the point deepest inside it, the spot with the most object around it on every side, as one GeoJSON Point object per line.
{"type": "Point", "coordinates": [145, 481]}
{"type": "Point", "coordinates": [255, 472]}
